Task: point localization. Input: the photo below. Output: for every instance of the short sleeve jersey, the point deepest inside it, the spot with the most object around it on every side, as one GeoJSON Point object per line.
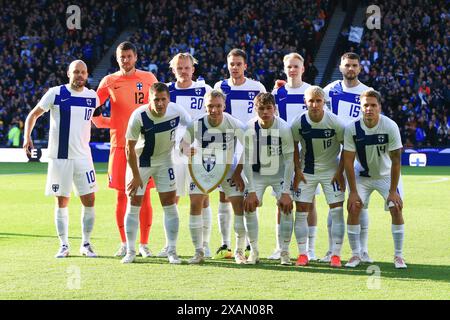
{"type": "Point", "coordinates": [239, 99]}
{"type": "Point", "coordinates": [70, 121]}
{"type": "Point", "coordinates": [155, 136]}
{"type": "Point", "coordinates": [320, 142]}
{"type": "Point", "coordinates": [372, 145]}
{"type": "Point", "coordinates": [290, 102]}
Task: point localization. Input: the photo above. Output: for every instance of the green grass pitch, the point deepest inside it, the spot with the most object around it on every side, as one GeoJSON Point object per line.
{"type": "Point", "coordinates": [28, 243]}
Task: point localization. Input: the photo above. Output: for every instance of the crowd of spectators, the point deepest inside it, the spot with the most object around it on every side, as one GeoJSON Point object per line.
{"type": "Point", "coordinates": [36, 47]}
{"type": "Point", "coordinates": [408, 61]}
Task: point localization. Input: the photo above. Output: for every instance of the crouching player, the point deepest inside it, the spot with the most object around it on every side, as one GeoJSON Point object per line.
{"type": "Point", "coordinates": [216, 130]}
{"type": "Point", "coordinates": [269, 155]}
{"type": "Point", "coordinates": [70, 161]}
{"type": "Point", "coordinates": [375, 141]}
{"type": "Point", "coordinates": [321, 134]}
{"type": "Point", "coordinates": [150, 140]}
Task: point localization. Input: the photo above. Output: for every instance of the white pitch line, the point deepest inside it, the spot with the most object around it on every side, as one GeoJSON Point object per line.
{"type": "Point", "coordinates": [438, 180]}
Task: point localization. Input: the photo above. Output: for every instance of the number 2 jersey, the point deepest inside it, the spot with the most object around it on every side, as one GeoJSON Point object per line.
{"type": "Point", "coordinates": [344, 101]}
{"type": "Point", "coordinates": [155, 135]}
{"type": "Point", "coordinates": [70, 121]}
{"type": "Point", "coordinates": [372, 146]}
{"type": "Point", "coordinates": [321, 142]}
{"type": "Point", "coordinates": [239, 99]}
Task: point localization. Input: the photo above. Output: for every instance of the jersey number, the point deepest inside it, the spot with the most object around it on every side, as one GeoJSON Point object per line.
{"type": "Point", "coordinates": [326, 143]}
{"type": "Point", "coordinates": [171, 174]}
{"type": "Point", "coordinates": [87, 114]}
{"type": "Point", "coordinates": [250, 107]}
{"type": "Point", "coordinates": [139, 98]}
{"type": "Point", "coordinates": [381, 149]}
{"type": "Point", "coordinates": [354, 110]}
{"type": "Point", "coordinates": [90, 176]}
{"type": "Point", "coordinates": [196, 103]}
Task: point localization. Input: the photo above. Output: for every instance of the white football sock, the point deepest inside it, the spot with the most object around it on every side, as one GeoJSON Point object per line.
{"type": "Point", "coordinates": [398, 233]}
{"type": "Point", "coordinates": [196, 229]}
{"type": "Point", "coordinates": [312, 231]}
{"type": "Point", "coordinates": [62, 225]}
{"type": "Point", "coordinates": [207, 223]}
{"type": "Point", "coordinates": [131, 226]}
{"type": "Point", "coordinates": [337, 229]}
{"type": "Point", "coordinates": [353, 232]}
{"type": "Point", "coordinates": [239, 229]}
{"type": "Point", "coordinates": [251, 227]}
{"type": "Point", "coordinates": [330, 237]}
{"type": "Point", "coordinates": [171, 225]}
{"type": "Point", "coordinates": [364, 222]}
{"type": "Point", "coordinates": [87, 223]}
{"type": "Point", "coordinates": [278, 232]}
{"type": "Point", "coordinates": [301, 231]}
{"type": "Point", "coordinates": [224, 217]}
{"type": "Point", "coordinates": [286, 225]}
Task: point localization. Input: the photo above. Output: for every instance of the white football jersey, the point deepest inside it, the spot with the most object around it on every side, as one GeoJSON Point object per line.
{"type": "Point", "coordinates": [321, 142]}
{"type": "Point", "coordinates": [223, 136]}
{"type": "Point", "coordinates": [70, 121]}
{"type": "Point", "coordinates": [290, 102]}
{"type": "Point", "coordinates": [372, 146]}
{"type": "Point", "coordinates": [239, 99]}
{"type": "Point", "coordinates": [155, 135]}
{"type": "Point", "coordinates": [191, 99]}
{"type": "Point", "coordinates": [265, 147]}
{"type": "Point", "coordinates": [343, 101]}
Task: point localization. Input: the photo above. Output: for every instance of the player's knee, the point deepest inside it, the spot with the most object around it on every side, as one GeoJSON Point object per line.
{"type": "Point", "coordinates": [88, 200]}
{"type": "Point", "coordinates": [336, 205]}
{"type": "Point", "coordinates": [302, 206]}
{"type": "Point", "coordinates": [63, 202]}
{"type": "Point", "coordinates": [136, 201]}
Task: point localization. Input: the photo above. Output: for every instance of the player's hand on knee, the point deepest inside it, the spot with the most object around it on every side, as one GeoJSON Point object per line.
{"type": "Point", "coordinates": [285, 203]}
{"type": "Point", "coordinates": [134, 185]}
{"type": "Point", "coordinates": [354, 203]}
{"type": "Point", "coordinates": [394, 197]}
{"type": "Point", "coordinates": [251, 202]}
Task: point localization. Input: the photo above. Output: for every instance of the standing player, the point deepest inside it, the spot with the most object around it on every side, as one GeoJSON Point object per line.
{"type": "Point", "coordinates": [190, 95]}
{"type": "Point", "coordinates": [216, 129]}
{"type": "Point", "coordinates": [290, 101]}
{"type": "Point", "coordinates": [126, 89]}
{"type": "Point", "coordinates": [269, 162]}
{"type": "Point", "coordinates": [240, 92]}
{"type": "Point", "coordinates": [321, 134]}
{"type": "Point", "coordinates": [150, 140]}
{"type": "Point", "coordinates": [70, 161]}
{"type": "Point", "coordinates": [343, 98]}
{"type": "Point", "coordinates": [375, 141]}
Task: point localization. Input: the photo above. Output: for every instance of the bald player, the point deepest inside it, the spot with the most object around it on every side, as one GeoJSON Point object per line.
{"type": "Point", "coordinates": [71, 108]}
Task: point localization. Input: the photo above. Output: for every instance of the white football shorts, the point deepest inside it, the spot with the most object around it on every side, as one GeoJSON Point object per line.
{"type": "Point", "coordinates": [163, 175]}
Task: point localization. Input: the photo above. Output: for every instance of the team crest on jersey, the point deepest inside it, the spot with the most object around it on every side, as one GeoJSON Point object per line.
{"type": "Point", "coordinates": [89, 102]}
{"type": "Point", "coordinates": [55, 187]}
{"type": "Point", "coordinates": [357, 100]}
{"type": "Point", "coordinates": [381, 138]}
{"type": "Point", "coordinates": [139, 85]}
{"type": "Point", "coordinates": [198, 91]}
{"type": "Point", "coordinates": [251, 95]}
{"type": "Point", "coordinates": [327, 133]}
{"type": "Point", "coordinates": [173, 122]}
{"type": "Point", "coordinates": [209, 162]}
